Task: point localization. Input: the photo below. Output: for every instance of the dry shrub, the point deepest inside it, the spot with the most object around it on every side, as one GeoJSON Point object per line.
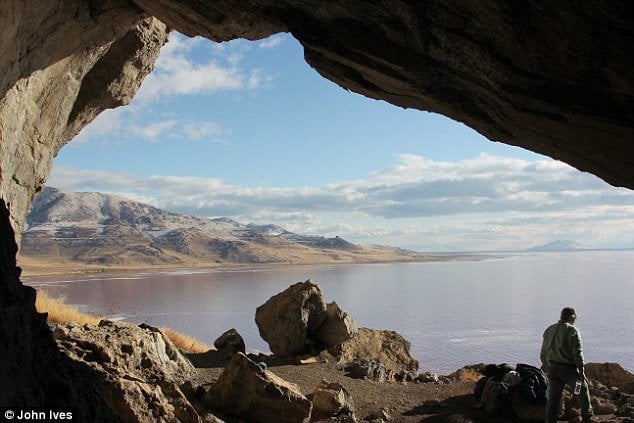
{"type": "Point", "coordinates": [185, 342]}
{"type": "Point", "coordinates": [58, 312]}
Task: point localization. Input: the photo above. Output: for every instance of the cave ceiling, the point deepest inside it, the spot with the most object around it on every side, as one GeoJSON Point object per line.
{"type": "Point", "coordinates": [551, 77]}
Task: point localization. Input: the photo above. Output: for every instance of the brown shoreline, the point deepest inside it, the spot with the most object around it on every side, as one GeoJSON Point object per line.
{"type": "Point", "coordinates": [36, 267]}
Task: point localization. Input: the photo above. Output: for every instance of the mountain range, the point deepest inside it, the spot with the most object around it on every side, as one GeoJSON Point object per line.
{"type": "Point", "coordinates": [111, 231]}
{"type": "Point", "coordinates": [559, 245]}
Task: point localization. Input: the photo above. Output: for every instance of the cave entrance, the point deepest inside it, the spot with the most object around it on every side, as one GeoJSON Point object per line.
{"type": "Point", "coordinates": [247, 131]}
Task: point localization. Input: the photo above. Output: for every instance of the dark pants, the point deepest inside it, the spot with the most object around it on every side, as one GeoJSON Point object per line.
{"type": "Point", "coordinates": [560, 375]}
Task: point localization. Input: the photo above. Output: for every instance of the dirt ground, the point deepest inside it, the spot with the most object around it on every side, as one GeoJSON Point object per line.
{"type": "Point", "coordinates": [410, 402]}
{"type": "Point", "coordinates": [404, 402]}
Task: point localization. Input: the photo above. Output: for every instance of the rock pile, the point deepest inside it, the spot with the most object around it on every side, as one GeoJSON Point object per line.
{"type": "Point", "coordinates": [297, 320]}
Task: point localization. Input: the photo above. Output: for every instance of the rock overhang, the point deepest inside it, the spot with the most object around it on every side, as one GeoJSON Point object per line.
{"type": "Point", "coordinates": [554, 78]}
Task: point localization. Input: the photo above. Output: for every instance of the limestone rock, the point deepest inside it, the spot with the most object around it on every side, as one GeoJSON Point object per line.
{"type": "Point", "coordinates": [230, 342]}
{"type": "Point", "coordinates": [287, 320]}
{"type": "Point", "coordinates": [140, 368]}
{"type": "Point", "coordinates": [609, 374]}
{"type": "Point", "coordinates": [331, 399]}
{"type": "Point", "coordinates": [63, 64]}
{"type": "Point", "coordinates": [124, 348]}
{"type": "Point", "coordinates": [138, 401]}
{"type": "Point", "coordinates": [247, 391]}
{"type": "Point", "coordinates": [338, 326]}
{"type": "Point", "coordinates": [385, 347]}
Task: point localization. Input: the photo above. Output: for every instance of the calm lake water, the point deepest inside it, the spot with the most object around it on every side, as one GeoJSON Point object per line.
{"type": "Point", "coordinates": [454, 313]}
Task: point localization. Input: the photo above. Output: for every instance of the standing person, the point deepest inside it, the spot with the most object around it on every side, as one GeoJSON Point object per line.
{"type": "Point", "coordinates": [562, 360]}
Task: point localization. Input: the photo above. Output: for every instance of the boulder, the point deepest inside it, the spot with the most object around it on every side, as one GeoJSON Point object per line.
{"type": "Point", "coordinates": [609, 374]}
{"type": "Point", "coordinates": [139, 368]}
{"type": "Point", "coordinates": [246, 391]}
{"type": "Point", "coordinates": [385, 347]}
{"type": "Point", "coordinates": [230, 343]}
{"type": "Point", "coordinates": [139, 401]}
{"type": "Point", "coordinates": [470, 373]}
{"type": "Point", "coordinates": [287, 320]}
{"type": "Point", "coordinates": [141, 352]}
{"type": "Point", "coordinates": [337, 328]}
{"type": "Point", "coordinates": [331, 399]}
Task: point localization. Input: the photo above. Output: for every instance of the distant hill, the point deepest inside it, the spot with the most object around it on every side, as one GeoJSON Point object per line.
{"type": "Point", "coordinates": [558, 246]}
{"type": "Point", "coordinates": [107, 230]}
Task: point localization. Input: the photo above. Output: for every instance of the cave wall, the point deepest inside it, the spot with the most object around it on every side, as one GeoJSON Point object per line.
{"type": "Point", "coordinates": [553, 77]}
{"type": "Point", "coordinates": [62, 63]}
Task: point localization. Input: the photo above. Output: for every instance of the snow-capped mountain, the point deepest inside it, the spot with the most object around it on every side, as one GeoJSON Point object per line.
{"type": "Point", "coordinates": [107, 229]}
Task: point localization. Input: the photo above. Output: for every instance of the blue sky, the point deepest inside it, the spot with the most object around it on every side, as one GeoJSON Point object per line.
{"type": "Point", "coordinates": [248, 130]}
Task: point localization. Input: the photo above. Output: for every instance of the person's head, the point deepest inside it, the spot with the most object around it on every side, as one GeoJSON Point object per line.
{"type": "Point", "coordinates": [568, 315]}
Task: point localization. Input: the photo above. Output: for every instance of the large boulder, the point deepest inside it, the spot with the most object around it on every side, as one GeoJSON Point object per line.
{"type": "Point", "coordinates": [246, 391]}
{"type": "Point", "coordinates": [140, 369]}
{"type": "Point", "coordinates": [287, 320]}
{"type": "Point", "coordinates": [609, 374]}
{"type": "Point", "coordinates": [338, 326]}
{"type": "Point", "coordinates": [382, 346]}
{"type": "Point", "coordinates": [142, 352]}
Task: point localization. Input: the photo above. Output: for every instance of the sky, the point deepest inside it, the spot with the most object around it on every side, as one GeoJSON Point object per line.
{"type": "Point", "coordinates": [248, 130]}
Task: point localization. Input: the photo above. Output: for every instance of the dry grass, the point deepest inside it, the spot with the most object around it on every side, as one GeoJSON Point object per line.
{"type": "Point", "coordinates": [58, 312]}
{"type": "Point", "coordinates": [185, 342]}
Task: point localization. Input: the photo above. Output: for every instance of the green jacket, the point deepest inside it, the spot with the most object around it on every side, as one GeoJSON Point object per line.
{"type": "Point", "coordinates": [562, 344]}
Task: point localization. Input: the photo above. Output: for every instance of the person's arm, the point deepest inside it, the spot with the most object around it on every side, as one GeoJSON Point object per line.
{"type": "Point", "coordinates": [577, 352]}
{"type": "Point", "coordinates": [543, 355]}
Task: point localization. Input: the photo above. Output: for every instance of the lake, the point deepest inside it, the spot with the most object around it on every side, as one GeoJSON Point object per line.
{"type": "Point", "coordinates": [454, 312]}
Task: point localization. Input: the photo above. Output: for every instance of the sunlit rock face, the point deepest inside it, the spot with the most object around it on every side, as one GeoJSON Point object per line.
{"type": "Point", "coordinates": [552, 77]}
{"type": "Point", "coordinates": [63, 62]}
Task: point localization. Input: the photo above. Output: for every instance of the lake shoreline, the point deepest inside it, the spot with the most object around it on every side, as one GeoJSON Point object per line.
{"type": "Point", "coordinates": [34, 268]}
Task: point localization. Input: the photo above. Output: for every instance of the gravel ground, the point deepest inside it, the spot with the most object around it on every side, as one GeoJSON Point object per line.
{"type": "Point", "coordinates": [404, 402]}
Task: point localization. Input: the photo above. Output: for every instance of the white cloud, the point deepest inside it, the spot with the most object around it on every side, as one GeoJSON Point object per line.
{"type": "Point", "coordinates": [154, 130]}
{"type": "Point", "coordinates": [271, 42]}
{"type": "Point", "coordinates": [482, 201]}
{"type": "Point", "coordinates": [177, 73]}
{"type": "Point", "coordinates": [202, 130]}
{"type": "Point", "coordinates": [106, 125]}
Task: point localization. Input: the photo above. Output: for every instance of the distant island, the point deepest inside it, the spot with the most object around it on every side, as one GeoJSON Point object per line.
{"type": "Point", "coordinates": [71, 232]}
{"type": "Point", "coordinates": [559, 245]}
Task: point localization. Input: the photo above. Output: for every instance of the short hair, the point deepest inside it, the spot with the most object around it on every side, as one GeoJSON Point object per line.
{"type": "Point", "coordinates": [567, 313]}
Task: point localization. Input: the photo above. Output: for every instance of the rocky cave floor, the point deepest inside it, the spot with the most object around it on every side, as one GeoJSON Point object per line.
{"type": "Point", "coordinates": [402, 401]}
{"type": "Point", "coordinates": [405, 402]}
